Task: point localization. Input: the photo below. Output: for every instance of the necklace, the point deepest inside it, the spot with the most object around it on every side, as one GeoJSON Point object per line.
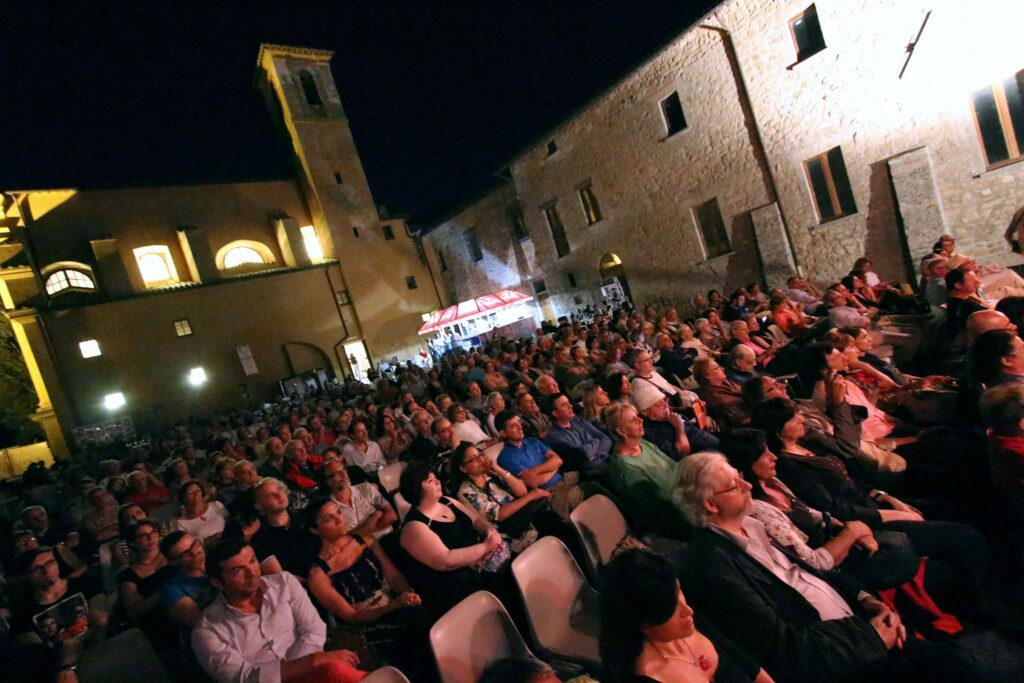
{"type": "Point", "coordinates": [701, 662]}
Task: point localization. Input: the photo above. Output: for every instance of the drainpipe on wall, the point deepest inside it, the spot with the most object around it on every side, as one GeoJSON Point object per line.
{"type": "Point", "coordinates": [754, 130]}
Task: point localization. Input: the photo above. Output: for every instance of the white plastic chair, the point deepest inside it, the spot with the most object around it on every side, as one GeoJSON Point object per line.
{"type": "Point", "coordinates": [600, 526]}
{"type": "Point", "coordinates": [471, 635]}
{"type": "Point", "coordinates": [389, 476]}
{"type": "Point", "coordinates": [561, 607]}
{"type": "Point", "coordinates": [387, 674]}
{"type": "Point", "coordinates": [402, 507]}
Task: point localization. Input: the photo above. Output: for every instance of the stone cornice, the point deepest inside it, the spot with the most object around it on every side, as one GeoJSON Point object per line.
{"type": "Point", "coordinates": [293, 51]}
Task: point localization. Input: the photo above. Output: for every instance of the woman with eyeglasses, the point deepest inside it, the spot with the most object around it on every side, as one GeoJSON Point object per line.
{"type": "Point", "coordinates": [498, 495]}
{"type": "Point", "coordinates": [141, 581]}
{"type": "Point", "coordinates": [353, 579]}
{"type": "Point", "coordinates": [451, 545]}
{"type": "Point", "coordinates": [465, 425]}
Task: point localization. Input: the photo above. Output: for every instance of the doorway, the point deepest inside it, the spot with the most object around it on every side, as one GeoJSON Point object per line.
{"type": "Point", "coordinates": [614, 286]}
{"type": "Point", "coordinates": [358, 359]}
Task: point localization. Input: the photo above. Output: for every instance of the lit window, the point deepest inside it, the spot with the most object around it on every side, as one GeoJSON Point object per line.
{"type": "Point", "coordinates": [557, 231]}
{"type": "Point", "coordinates": [473, 245]}
{"type": "Point", "coordinates": [70, 280]}
{"type": "Point", "coordinates": [196, 376]}
{"type": "Point", "coordinates": [591, 209]}
{"type": "Point", "coordinates": [182, 328]}
{"type": "Point", "coordinates": [712, 229]}
{"type": "Point", "coordinates": [155, 265]}
{"type": "Point", "coordinates": [672, 110]}
{"type": "Point", "coordinates": [113, 401]}
{"type": "Point", "coordinates": [806, 32]}
{"type": "Point", "coordinates": [830, 185]}
{"type": "Point", "coordinates": [312, 242]}
{"type": "Point", "coordinates": [90, 348]}
{"type": "Point", "coordinates": [239, 256]}
{"type": "Point", "coordinates": [999, 112]}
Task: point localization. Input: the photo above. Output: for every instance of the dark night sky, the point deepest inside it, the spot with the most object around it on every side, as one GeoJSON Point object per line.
{"type": "Point", "coordinates": [439, 94]}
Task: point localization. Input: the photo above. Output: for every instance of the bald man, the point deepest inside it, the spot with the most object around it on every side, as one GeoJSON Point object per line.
{"type": "Point", "coordinates": [980, 322]}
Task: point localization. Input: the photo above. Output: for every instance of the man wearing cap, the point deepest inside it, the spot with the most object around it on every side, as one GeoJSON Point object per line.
{"type": "Point", "coordinates": [666, 429]}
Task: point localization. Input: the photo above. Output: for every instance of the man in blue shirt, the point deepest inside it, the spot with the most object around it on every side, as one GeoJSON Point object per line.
{"type": "Point", "coordinates": [574, 439]}
{"type": "Point", "coordinates": [526, 457]}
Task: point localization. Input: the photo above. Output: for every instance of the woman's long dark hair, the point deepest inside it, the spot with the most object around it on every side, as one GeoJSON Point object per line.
{"type": "Point", "coordinates": [639, 591]}
{"type": "Point", "coordinates": [613, 386]}
{"type": "Point", "coordinates": [770, 417]}
{"type": "Point", "coordinates": [813, 367]}
{"type": "Point", "coordinates": [744, 447]}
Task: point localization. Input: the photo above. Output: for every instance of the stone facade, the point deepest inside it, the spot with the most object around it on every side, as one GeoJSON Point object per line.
{"type": "Point", "coordinates": [755, 114]}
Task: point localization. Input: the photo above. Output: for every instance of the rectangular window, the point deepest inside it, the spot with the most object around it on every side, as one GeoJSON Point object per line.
{"type": "Point", "coordinates": [672, 110]}
{"type": "Point", "coordinates": [338, 179]}
{"type": "Point", "coordinates": [712, 229]}
{"type": "Point", "coordinates": [473, 245]}
{"type": "Point", "coordinates": [90, 348]}
{"type": "Point", "coordinates": [518, 221]}
{"type": "Point", "coordinates": [312, 243]}
{"type": "Point", "coordinates": [806, 32]}
{"type": "Point", "coordinates": [830, 185]}
{"type": "Point", "coordinates": [410, 282]}
{"type": "Point", "coordinates": [389, 233]}
{"type": "Point", "coordinates": [441, 261]}
{"type": "Point", "coordinates": [355, 231]}
{"type": "Point", "coordinates": [571, 277]}
{"type": "Point", "coordinates": [999, 113]}
{"type": "Point", "coordinates": [591, 209]}
{"type": "Point", "coordinates": [557, 231]}
{"type": "Point", "coordinates": [552, 147]}
{"type": "Point", "coordinates": [182, 328]}
{"type": "Point", "coordinates": [539, 287]}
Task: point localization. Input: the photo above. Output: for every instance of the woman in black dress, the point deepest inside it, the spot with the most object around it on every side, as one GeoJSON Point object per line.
{"type": "Point", "coordinates": [649, 633]}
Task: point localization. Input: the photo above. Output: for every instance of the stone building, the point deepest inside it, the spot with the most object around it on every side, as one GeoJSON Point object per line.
{"type": "Point", "coordinates": [770, 137]}
{"type": "Point", "coordinates": [157, 303]}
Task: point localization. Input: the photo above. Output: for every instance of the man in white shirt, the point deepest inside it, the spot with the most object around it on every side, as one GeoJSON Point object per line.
{"type": "Point", "coordinates": [263, 628]}
{"type": "Point", "coordinates": [363, 506]}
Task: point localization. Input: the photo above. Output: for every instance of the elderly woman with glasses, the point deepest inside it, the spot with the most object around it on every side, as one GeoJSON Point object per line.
{"type": "Point", "coordinates": [498, 495]}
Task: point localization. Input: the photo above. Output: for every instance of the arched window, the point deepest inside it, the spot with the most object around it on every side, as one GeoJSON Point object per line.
{"type": "Point", "coordinates": [69, 280]}
{"type": "Point", "coordinates": [243, 256]}
{"type": "Point", "coordinates": [239, 256]}
{"type": "Point", "coordinates": [309, 89]}
{"type": "Point", "coordinates": [155, 265]}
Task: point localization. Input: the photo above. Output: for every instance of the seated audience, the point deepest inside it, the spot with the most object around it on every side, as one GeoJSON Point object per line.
{"type": "Point", "coordinates": [264, 627]}
{"type": "Point", "coordinates": [202, 519]}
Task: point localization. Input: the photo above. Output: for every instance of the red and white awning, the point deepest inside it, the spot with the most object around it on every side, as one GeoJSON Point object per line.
{"type": "Point", "coordinates": [474, 308]}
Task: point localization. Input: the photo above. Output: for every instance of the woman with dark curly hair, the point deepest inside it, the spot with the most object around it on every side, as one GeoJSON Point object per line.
{"type": "Point", "coordinates": [649, 633]}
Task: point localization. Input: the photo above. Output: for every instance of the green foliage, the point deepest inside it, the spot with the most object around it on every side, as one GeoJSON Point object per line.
{"type": "Point", "coordinates": [17, 397]}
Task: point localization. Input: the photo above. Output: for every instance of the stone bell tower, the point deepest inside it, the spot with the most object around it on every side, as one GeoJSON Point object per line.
{"type": "Point", "coordinates": [387, 285]}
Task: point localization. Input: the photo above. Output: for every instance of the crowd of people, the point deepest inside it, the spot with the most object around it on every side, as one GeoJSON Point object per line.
{"type": "Point", "coordinates": [820, 484]}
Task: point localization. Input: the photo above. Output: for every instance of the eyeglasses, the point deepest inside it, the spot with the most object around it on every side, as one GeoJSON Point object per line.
{"type": "Point", "coordinates": [473, 459]}
{"type": "Point", "coordinates": [193, 551]}
{"type": "Point", "coordinates": [738, 486]}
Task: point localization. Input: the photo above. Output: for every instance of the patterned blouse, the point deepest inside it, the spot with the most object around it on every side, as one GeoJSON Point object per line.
{"type": "Point", "coordinates": [488, 501]}
{"type": "Point", "coordinates": [782, 530]}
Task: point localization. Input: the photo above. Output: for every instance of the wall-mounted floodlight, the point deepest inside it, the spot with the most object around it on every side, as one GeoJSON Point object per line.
{"type": "Point", "coordinates": [196, 376]}
{"type": "Point", "coordinates": [113, 401]}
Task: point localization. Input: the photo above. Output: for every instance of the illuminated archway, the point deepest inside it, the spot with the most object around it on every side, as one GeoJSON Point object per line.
{"type": "Point", "coordinates": [244, 255]}
{"type": "Point", "coordinates": [614, 285]}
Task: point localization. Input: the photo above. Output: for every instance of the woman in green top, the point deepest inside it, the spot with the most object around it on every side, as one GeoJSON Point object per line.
{"type": "Point", "coordinates": [642, 477]}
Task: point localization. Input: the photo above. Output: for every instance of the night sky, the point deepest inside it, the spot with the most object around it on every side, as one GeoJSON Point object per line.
{"type": "Point", "coordinates": [439, 94]}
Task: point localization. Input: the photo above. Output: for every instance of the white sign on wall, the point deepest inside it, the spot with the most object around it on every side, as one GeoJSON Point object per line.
{"type": "Point", "coordinates": [248, 364]}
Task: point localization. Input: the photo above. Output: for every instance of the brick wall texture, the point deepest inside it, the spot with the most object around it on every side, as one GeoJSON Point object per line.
{"type": "Point", "coordinates": [755, 114]}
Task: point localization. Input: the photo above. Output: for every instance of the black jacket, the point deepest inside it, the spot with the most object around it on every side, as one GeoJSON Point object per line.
{"type": "Point", "coordinates": [771, 621]}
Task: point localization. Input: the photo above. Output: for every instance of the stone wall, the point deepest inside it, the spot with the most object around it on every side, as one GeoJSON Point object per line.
{"type": "Point", "coordinates": [755, 115]}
